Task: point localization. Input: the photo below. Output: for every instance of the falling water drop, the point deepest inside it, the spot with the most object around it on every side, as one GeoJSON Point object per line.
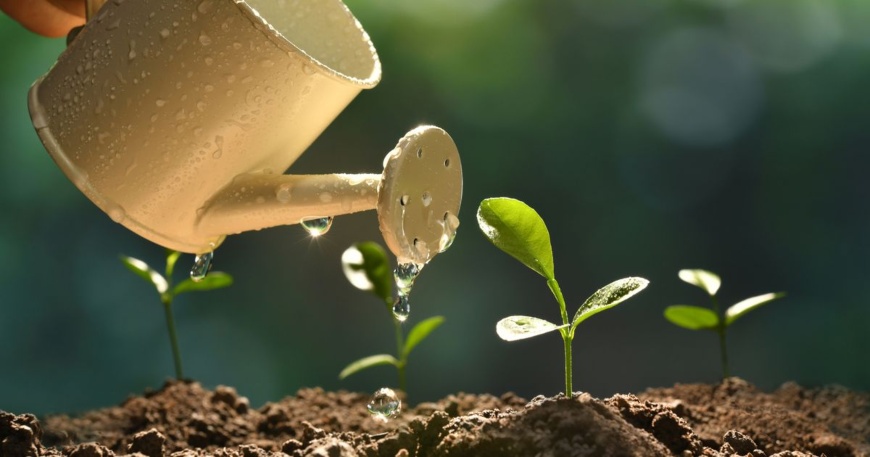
{"type": "Point", "coordinates": [316, 226]}
{"type": "Point", "coordinates": [401, 308]}
{"type": "Point", "coordinates": [385, 404]}
{"type": "Point", "coordinates": [201, 266]}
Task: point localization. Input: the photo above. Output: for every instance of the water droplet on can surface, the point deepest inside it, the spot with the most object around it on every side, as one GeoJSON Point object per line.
{"type": "Point", "coordinates": [385, 404]}
{"type": "Point", "coordinates": [401, 308]}
{"type": "Point", "coordinates": [201, 266]}
{"type": "Point", "coordinates": [316, 226]}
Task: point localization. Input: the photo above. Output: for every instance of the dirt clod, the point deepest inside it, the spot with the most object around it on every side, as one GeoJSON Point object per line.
{"type": "Point", "coordinates": [731, 418]}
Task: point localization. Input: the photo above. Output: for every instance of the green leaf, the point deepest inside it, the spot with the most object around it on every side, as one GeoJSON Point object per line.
{"type": "Point", "coordinates": [521, 327]}
{"type": "Point", "coordinates": [214, 280]}
{"type": "Point", "coordinates": [702, 278]}
{"type": "Point", "coordinates": [609, 296]}
{"type": "Point", "coordinates": [740, 308]}
{"type": "Point", "coordinates": [518, 230]}
{"type": "Point", "coordinates": [368, 362]}
{"type": "Point", "coordinates": [366, 266]}
{"type": "Point", "coordinates": [420, 332]}
{"type": "Point", "coordinates": [145, 272]}
{"type": "Point", "coordinates": [171, 257]}
{"type": "Point", "coordinates": [692, 317]}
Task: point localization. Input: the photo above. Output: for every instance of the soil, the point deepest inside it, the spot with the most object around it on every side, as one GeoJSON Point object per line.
{"type": "Point", "coordinates": [183, 419]}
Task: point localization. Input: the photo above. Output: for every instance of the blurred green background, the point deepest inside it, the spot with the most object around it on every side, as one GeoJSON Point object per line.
{"type": "Point", "coordinates": [651, 135]}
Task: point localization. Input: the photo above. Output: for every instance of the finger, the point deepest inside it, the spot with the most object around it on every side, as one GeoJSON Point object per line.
{"type": "Point", "coordinates": [51, 18]}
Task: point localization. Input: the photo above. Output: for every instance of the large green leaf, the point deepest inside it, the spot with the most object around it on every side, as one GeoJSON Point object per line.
{"type": "Point", "coordinates": [420, 332]}
{"type": "Point", "coordinates": [521, 327]}
{"type": "Point", "coordinates": [740, 308]}
{"type": "Point", "coordinates": [692, 317]}
{"type": "Point", "coordinates": [368, 362]}
{"type": "Point", "coordinates": [145, 272]}
{"type": "Point", "coordinates": [518, 230]}
{"type": "Point", "coordinates": [609, 296]}
{"type": "Point", "coordinates": [702, 278]}
{"type": "Point", "coordinates": [214, 280]}
{"type": "Point", "coordinates": [366, 266]}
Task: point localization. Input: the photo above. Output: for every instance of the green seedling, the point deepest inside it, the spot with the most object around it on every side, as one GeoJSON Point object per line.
{"type": "Point", "coordinates": [699, 318]}
{"type": "Point", "coordinates": [366, 266]}
{"type": "Point", "coordinates": [168, 292]}
{"type": "Point", "coordinates": [518, 230]}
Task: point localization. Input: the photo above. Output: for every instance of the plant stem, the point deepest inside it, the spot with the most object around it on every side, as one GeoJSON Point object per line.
{"type": "Point", "coordinates": [568, 364]}
{"type": "Point", "coordinates": [720, 329]}
{"type": "Point", "coordinates": [401, 355]}
{"type": "Point", "coordinates": [173, 340]}
{"type": "Point", "coordinates": [567, 333]}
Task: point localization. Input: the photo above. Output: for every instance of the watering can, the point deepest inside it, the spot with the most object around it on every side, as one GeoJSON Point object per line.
{"type": "Point", "coordinates": [178, 118]}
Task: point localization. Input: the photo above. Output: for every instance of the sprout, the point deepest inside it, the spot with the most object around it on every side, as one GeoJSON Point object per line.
{"type": "Point", "coordinates": [167, 292]}
{"type": "Point", "coordinates": [699, 318]}
{"type": "Point", "coordinates": [518, 230]}
{"type": "Point", "coordinates": [366, 267]}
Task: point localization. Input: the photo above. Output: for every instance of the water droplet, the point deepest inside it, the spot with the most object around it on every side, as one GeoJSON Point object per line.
{"type": "Point", "coordinates": [326, 197]}
{"type": "Point", "coordinates": [204, 39]}
{"type": "Point", "coordinates": [160, 102]}
{"type": "Point", "coordinates": [385, 404]}
{"type": "Point", "coordinates": [449, 225]}
{"type": "Point", "coordinates": [164, 33]}
{"type": "Point", "coordinates": [401, 308]}
{"type": "Point", "coordinates": [283, 193]}
{"type": "Point", "coordinates": [316, 226]}
{"type": "Point", "coordinates": [117, 214]}
{"type": "Point", "coordinates": [427, 198]}
{"type": "Point", "coordinates": [204, 6]}
{"type": "Point", "coordinates": [219, 142]}
{"type": "Point", "coordinates": [404, 275]}
{"type": "Point", "coordinates": [201, 266]}
{"type": "Point", "coordinates": [308, 69]}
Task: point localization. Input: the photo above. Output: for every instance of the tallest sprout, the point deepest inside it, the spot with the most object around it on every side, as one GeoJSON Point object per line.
{"type": "Point", "coordinates": [518, 230]}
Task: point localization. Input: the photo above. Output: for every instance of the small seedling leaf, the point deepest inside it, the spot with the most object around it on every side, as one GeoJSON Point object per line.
{"type": "Point", "coordinates": [609, 296]}
{"type": "Point", "coordinates": [518, 230]}
{"type": "Point", "coordinates": [420, 332]}
{"type": "Point", "coordinates": [366, 266]}
{"type": "Point", "coordinates": [739, 309]}
{"type": "Point", "coordinates": [703, 279]}
{"type": "Point", "coordinates": [214, 280]}
{"type": "Point", "coordinates": [521, 327]}
{"type": "Point", "coordinates": [692, 317]}
{"type": "Point", "coordinates": [368, 362]}
{"type": "Point", "coordinates": [142, 270]}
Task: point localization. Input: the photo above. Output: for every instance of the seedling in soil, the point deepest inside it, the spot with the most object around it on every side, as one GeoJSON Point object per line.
{"type": "Point", "coordinates": [366, 266]}
{"type": "Point", "coordinates": [518, 230]}
{"type": "Point", "coordinates": [699, 318]}
{"type": "Point", "coordinates": [198, 281]}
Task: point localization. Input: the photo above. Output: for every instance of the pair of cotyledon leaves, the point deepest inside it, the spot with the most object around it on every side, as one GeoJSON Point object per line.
{"type": "Point", "coordinates": [214, 280]}
{"type": "Point", "coordinates": [366, 266]}
{"type": "Point", "coordinates": [517, 229]}
{"type": "Point", "coordinates": [699, 318]}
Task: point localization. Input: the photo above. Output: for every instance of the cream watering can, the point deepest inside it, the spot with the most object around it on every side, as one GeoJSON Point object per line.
{"type": "Point", "coordinates": [177, 119]}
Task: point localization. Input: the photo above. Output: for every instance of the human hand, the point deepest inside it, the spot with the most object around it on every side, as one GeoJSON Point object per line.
{"type": "Point", "coordinates": [51, 18]}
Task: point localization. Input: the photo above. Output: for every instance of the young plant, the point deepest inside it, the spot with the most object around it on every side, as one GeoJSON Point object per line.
{"type": "Point", "coordinates": [366, 266]}
{"type": "Point", "coordinates": [518, 230]}
{"type": "Point", "coordinates": [163, 284]}
{"type": "Point", "coordinates": [699, 318]}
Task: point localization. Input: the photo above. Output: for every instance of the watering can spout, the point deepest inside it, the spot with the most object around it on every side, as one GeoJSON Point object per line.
{"type": "Point", "coordinates": [417, 198]}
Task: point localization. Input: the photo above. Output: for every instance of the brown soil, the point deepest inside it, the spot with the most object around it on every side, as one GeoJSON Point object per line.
{"type": "Point", "coordinates": [732, 418]}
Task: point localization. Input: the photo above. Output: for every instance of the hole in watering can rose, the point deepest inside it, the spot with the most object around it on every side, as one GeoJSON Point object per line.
{"type": "Point", "coordinates": [404, 200]}
{"type": "Point", "coordinates": [419, 153]}
{"type": "Point", "coordinates": [446, 163]}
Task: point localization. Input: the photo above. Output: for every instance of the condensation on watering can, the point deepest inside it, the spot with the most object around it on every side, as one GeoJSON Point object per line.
{"type": "Point", "coordinates": [283, 193]}
{"type": "Point", "coordinates": [448, 224]}
{"type": "Point", "coordinates": [316, 226]}
{"type": "Point", "coordinates": [201, 266]}
{"type": "Point", "coordinates": [384, 405]}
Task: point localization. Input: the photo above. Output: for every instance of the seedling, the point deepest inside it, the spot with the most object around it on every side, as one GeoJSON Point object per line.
{"type": "Point", "coordinates": [366, 266]}
{"type": "Point", "coordinates": [699, 318]}
{"type": "Point", "coordinates": [163, 284]}
{"type": "Point", "coordinates": [518, 230]}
